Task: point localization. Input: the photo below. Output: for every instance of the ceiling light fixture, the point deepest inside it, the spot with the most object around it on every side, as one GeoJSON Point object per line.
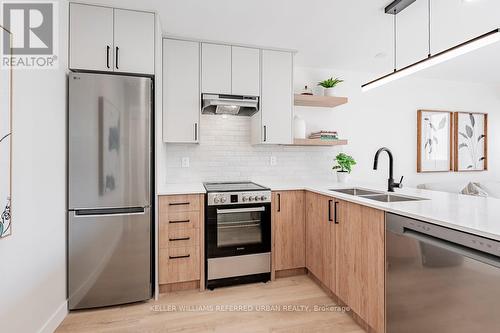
{"type": "Point", "coordinates": [432, 60]}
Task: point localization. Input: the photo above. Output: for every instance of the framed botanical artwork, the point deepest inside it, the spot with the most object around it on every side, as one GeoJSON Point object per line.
{"type": "Point", "coordinates": [434, 141]}
{"type": "Point", "coordinates": [5, 140]}
{"type": "Point", "coordinates": [471, 141]}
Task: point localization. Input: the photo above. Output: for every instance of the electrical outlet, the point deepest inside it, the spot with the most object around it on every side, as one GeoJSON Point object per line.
{"type": "Point", "coordinates": [185, 162]}
{"type": "Point", "coordinates": [273, 160]}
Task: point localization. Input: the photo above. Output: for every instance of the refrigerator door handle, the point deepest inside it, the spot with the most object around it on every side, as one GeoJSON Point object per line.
{"type": "Point", "coordinates": [110, 212]}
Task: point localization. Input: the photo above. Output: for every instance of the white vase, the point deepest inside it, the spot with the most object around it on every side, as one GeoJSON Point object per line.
{"type": "Point", "coordinates": [300, 127]}
{"type": "Point", "coordinates": [342, 177]}
{"type": "Point", "coordinates": [329, 91]}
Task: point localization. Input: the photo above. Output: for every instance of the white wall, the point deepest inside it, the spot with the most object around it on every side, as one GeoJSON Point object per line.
{"type": "Point", "coordinates": [386, 116]}
{"type": "Point", "coordinates": [33, 259]}
{"type": "Point", "coordinates": [381, 117]}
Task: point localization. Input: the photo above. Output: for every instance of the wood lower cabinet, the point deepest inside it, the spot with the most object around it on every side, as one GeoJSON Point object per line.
{"type": "Point", "coordinates": [360, 261]}
{"type": "Point", "coordinates": [320, 238]}
{"type": "Point", "coordinates": [181, 235]}
{"type": "Point", "coordinates": [288, 221]}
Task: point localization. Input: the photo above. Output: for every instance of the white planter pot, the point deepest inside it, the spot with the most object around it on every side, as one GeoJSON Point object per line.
{"type": "Point", "coordinates": [329, 92]}
{"type": "Point", "coordinates": [343, 177]}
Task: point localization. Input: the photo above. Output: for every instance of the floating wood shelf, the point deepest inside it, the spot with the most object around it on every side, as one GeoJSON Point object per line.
{"type": "Point", "coordinates": [319, 101]}
{"type": "Point", "coordinates": [318, 142]}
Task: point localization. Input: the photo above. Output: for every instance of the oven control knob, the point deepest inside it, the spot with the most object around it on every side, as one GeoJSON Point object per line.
{"type": "Point", "coordinates": [250, 198]}
{"type": "Point", "coordinates": [245, 199]}
{"type": "Point", "coordinates": [216, 200]}
{"type": "Point", "coordinates": [223, 199]}
{"type": "Point", "coordinates": [257, 198]}
{"type": "Point", "coordinates": [263, 198]}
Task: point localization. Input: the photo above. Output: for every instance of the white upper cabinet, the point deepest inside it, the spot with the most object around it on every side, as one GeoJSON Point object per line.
{"type": "Point", "coordinates": [90, 37]}
{"type": "Point", "coordinates": [276, 99]}
{"type": "Point", "coordinates": [111, 40]}
{"type": "Point", "coordinates": [181, 91]}
{"type": "Point", "coordinates": [134, 41]}
{"type": "Point", "coordinates": [227, 69]}
{"type": "Point", "coordinates": [215, 68]}
{"type": "Point", "coordinates": [245, 71]}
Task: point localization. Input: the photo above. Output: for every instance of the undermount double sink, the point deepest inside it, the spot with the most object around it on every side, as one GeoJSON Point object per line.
{"type": "Point", "coordinates": [376, 195]}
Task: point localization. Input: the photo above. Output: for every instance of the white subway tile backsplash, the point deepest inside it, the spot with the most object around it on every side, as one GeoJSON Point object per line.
{"type": "Point", "coordinates": [225, 153]}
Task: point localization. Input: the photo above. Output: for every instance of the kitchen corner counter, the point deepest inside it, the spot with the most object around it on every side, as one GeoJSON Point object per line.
{"type": "Point", "coordinates": [475, 215]}
{"type": "Point", "coordinates": [181, 188]}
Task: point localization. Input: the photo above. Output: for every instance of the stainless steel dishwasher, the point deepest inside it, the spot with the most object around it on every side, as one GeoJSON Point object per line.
{"type": "Point", "coordinates": [439, 279]}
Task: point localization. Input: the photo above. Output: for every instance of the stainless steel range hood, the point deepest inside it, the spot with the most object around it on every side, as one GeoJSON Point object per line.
{"type": "Point", "coordinates": [229, 104]}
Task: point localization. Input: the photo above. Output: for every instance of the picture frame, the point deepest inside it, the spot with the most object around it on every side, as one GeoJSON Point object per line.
{"type": "Point", "coordinates": [434, 141]}
{"type": "Point", "coordinates": [471, 141]}
{"type": "Point", "coordinates": [5, 142]}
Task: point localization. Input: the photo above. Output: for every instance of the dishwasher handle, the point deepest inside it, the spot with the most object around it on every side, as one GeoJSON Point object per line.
{"type": "Point", "coordinates": [453, 247]}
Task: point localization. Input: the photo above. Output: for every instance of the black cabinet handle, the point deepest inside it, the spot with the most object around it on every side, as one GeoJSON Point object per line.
{"type": "Point", "coordinates": [330, 210]}
{"type": "Point", "coordinates": [265, 133]}
{"type": "Point", "coordinates": [178, 203]}
{"type": "Point", "coordinates": [116, 59]}
{"type": "Point", "coordinates": [279, 202]}
{"type": "Point", "coordinates": [182, 221]}
{"type": "Point", "coordinates": [179, 239]}
{"type": "Point", "coordinates": [195, 131]}
{"type": "Point", "coordinates": [107, 55]}
{"type": "Point", "coordinates": [179, 257]}
{"type": "Point", "coordinates": [335, 213]}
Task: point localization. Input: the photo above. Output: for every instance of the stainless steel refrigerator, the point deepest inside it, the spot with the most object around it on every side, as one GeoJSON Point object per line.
{"type": "Point", "coordinates": [109, 189]}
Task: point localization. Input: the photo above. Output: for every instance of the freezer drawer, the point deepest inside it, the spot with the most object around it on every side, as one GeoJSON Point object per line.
{"type": "Point", "coordinates": [109, 258]}
{"type": "Point", "coordinates": [109, 141]}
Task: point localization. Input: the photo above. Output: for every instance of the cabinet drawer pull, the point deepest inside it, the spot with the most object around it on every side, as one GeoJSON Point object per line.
{"type": "Point", "coordinates": [179, 239]}
{"type": "Point", "coordinates": [179, 257]}
{"type": "Point", "coordinates": [330, 210]}
{"type": "Point", "coordinates": [180, 221]}
{"type": "Point", "coordinates": [178, 203]}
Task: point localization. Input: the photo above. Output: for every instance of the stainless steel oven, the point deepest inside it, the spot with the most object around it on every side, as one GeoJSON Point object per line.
{"type": "Point", "coordinates": [238, 233]}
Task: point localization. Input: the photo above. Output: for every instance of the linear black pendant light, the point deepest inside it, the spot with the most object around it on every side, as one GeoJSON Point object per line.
{"type": "Point", "coordinates": [473, 44]}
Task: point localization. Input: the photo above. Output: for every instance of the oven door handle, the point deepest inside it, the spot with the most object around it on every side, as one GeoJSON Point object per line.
{"type": "Point", "coordinates": [241, 210]}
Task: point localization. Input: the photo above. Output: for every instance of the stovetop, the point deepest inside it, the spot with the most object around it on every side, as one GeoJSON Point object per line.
{"type": "Point", "coordinates": [233, 187]}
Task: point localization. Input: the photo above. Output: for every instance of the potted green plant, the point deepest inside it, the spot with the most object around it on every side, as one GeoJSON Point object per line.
{"type": "Point", "coordinates": [344, 167]}
{"type": "Point", "coordinates": [329, 85]}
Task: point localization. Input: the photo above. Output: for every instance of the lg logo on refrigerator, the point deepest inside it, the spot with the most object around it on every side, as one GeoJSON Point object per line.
{"type": "Point", "coordinates": [32, 42]}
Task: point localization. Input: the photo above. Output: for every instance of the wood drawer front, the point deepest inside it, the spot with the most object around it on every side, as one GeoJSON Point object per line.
{"type": "Point", "coordinates": [180, 203]}
{"type": "Point", "coordinates": [178, 264]}
{"type": "Point", "coordinates": [178, 221]}
{"type": "Point", "coordinates": [180, 238]}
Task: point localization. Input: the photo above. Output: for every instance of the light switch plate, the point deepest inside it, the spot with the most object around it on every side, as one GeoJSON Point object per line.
{"type": "Point", "coordinates": [273, 160]}
{"type": "Point", "coordinates": [185, 162]}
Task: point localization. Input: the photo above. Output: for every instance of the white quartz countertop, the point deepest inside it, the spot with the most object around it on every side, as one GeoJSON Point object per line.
{"type": "Point", "coordinates": [475, 215]}
{"type": "Point", "coordinates": [182, 188]}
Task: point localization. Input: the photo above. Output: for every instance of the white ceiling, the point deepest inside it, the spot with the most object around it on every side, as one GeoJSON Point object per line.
{"type": "Point", "coordinates": [341, 34]}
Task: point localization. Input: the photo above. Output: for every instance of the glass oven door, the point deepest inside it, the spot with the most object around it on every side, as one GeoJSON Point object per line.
{"type": "Point", "coordinates": [239, 227]}
{"type": "Point", "coordinates": [239, 230]}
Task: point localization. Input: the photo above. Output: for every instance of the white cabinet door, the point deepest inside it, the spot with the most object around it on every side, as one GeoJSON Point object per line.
{"type": "Point", "coordinates": [134, 44]}
{"type": "Point", "coordinates": [245, 71]}
{"type": "Point", "coordinates": [181, 91]}
{"type": "Point", "coordinates": [90, 37]}
{"type": "Point", "coordinates": [276, 107]}
{"type": "Point", "coordinates": [215, 68]}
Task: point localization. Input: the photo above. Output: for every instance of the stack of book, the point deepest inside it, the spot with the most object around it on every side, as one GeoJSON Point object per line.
{"type": "Point", "coordinates": [324, 135]}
